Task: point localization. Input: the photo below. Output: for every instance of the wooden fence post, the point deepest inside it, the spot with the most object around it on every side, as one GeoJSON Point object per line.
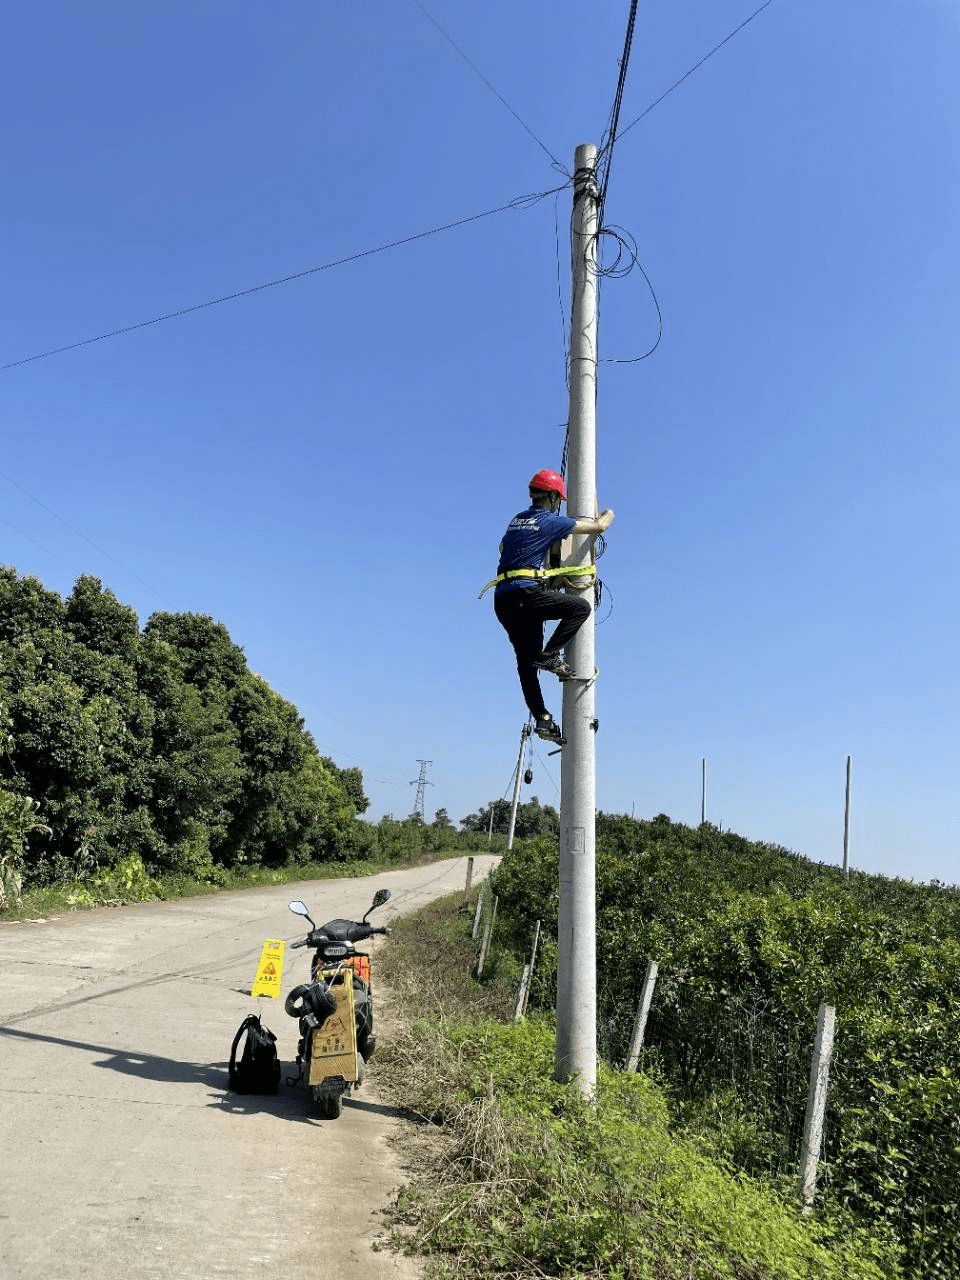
{"type": "Point", "coordinates": [533, 960]}
{"type": "Point", "coordinates": [816, 1104]}
{"type": "Point", "coordinates": [640, 1022]}
{"type": "Point", "coordinates": [466, 887]}
{"type": "Point", "coordinates": [477, 913]}
{"type": "Point", "coordinates": [522, 993]}
{"type": "Point", "coordinates": [486, 937]}
{"type": "Point", "coordinates": [525, 977]}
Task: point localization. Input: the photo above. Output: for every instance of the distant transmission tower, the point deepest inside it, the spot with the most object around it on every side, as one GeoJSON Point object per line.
{"type": "Point", "coordinates": [421, 784]}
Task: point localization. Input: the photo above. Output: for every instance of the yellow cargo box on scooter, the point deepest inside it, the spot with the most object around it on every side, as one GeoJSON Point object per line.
{"type": "Point", "coordinates": [333, 1046]}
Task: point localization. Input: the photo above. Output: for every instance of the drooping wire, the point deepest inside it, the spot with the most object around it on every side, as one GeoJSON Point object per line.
{"type": "Point", "coordinates": [625, 247]}
{"type": "Point", "coordinates": [564, 337]}
{"type": "Point", "coordinates": [625, 261]}
{"type": "Point", "coordinates": [496, 92]}
{"type": "Point", "coordinates": [518, 203]}
{"type": "Point", "coordinates": [546, 769]}
{"type": "Point", "coordinates": [603, 590]}
{"type": "Point", "coordinates": [507, 790]}
{"type": "Point", "coordinates": [696, 67]}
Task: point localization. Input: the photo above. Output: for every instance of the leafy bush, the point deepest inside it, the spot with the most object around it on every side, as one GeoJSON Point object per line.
{"type": "Point", "coordinates": [126, 881]}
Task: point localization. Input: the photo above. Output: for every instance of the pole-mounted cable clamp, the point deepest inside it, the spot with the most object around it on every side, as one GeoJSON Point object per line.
{"type": "Point", "coordinates": [585, 183]}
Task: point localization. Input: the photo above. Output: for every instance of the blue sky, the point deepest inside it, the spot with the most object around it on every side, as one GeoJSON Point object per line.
{"type": "Point", "coordinates": [327, 466]}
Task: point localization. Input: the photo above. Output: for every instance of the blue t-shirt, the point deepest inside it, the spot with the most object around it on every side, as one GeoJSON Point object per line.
{"type": "Point", "coordinates": [530, 535]}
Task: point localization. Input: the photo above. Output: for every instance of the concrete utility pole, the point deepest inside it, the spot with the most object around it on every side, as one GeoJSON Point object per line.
{"type": "Point", "coordinates": [576, 1057]}
{"type": "Point", "coordinates": [703, 791]}
{"type": "Point", "coordinates": [524, 735]}
{"type": "Point", "coordinates": [846, 823]}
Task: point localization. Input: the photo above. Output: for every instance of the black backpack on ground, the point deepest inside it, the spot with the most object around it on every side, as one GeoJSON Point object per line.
{"type": "Point", "coordinates": [258, 1070]}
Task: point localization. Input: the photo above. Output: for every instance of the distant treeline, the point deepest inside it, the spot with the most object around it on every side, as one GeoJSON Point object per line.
{"type": "Point", "coordinates": [160, 743]}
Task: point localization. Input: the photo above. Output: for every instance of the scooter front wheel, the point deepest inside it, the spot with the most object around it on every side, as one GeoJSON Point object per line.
{"type": "Point", "coordinates": [329, 1099]}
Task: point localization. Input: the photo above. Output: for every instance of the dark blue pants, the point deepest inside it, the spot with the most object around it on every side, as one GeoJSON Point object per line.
{"type": "Point", "coordinates": [522, 613]}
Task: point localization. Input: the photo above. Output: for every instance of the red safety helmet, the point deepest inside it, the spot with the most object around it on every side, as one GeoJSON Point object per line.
{"type": "Point", "coordinates": [549, 482]}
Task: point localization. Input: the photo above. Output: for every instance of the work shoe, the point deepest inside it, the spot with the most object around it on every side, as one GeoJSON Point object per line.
{"type": "Point", "coordinates": [548, 729]}
{"type": "Point", "coordinates": [553, 663]}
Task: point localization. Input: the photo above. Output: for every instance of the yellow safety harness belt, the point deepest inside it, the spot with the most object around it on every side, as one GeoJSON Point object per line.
{"type": "Point", "coordinates": [564, 571]}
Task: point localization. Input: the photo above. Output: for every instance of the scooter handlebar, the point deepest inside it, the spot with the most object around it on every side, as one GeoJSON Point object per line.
{"type": "Point", "coordinates": [316, 937]}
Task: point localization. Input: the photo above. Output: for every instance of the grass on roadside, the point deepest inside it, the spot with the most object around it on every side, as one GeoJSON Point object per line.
{"type": "Point", "coordinates": [128, 882]}
{"type": "Point", "coordinates": [525, 1179]}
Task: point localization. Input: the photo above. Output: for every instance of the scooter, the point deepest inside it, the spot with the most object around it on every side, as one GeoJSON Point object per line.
{"type": "Point", "coordinates": [335, 1008]}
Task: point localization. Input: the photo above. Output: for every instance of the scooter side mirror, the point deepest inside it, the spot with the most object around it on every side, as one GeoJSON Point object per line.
{"type": "Point", "coordinates": [379, 898]}
{"type": "Point", "coordinates": [299, 908]}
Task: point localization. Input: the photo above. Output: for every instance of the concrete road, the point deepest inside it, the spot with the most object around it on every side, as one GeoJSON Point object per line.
{"type": "Point", "coordinates": [123, 1153]}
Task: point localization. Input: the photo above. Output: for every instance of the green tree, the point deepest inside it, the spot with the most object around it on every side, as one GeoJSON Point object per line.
{"type": "Point", "coordinates": [28, 611]}
{"type": "Point", "coordinates": [333, 832]}
{"type": "Point", "coordinates": [442, 834]}
{"type": "Point", "coordinates": [351, 781]}
{"type": "Point", "coordinates": [18, 819]}
{"type": "Point", "coordinates": [268, 824]}
{"type": "Point", "coordinates": [196, 766]}
{"type": "Point", "coordinates": [98, 621]}
{"type": "Point", "coordinates": [207, 654]}
{"type": "Point", "coordinates": [161, 744]}
{"type": "Point", "coordinates": [398, 841]}
{"type": "Point", "coordinates": [532, 819]}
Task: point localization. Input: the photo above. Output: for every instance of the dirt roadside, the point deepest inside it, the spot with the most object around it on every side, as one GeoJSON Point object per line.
{"type": "Point", "coordinates": [126, 1154]}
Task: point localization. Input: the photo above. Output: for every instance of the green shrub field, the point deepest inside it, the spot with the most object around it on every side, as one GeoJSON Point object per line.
{"type": "Point", "coordinates": [742, 927]}
{"type": "Point", "coordinates": [520, 1177]}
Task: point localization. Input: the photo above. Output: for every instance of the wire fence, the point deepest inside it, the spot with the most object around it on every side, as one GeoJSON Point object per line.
{"type": "Point", "coordinates": [737, 1072]}
{"type": "Point", "coordinates": [737, 1077]}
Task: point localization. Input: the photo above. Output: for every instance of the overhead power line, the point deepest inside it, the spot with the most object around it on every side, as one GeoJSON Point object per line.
{"type": "Point", "coordinates": [696, 67]}
{"type": "Point", "coordinates": [605, 158]}
{"type": "Point", "coordinates": [496, 92]}
{"type": "Point", "coordinates": [79, 534]}
{"type": "Point", "coordinates": [626, 257]}
{"type": "Point", "coordinates": [519, 202]}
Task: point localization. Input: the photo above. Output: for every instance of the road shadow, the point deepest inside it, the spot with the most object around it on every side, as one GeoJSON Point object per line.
{"type": "Point", "coordinates": [287, 1103]}
{"type": "Point", "coordinates": [293, 1101]}
{"type": "Point", "coordinates": [380, 1109]}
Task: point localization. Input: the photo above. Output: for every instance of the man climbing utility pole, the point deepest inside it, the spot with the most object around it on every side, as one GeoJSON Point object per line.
{"type": "Point", "coordinates": [576, 1054]}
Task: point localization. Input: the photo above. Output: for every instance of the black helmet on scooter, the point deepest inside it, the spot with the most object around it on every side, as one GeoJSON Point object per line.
{"type": "Point", "coordinates": [313, 997]}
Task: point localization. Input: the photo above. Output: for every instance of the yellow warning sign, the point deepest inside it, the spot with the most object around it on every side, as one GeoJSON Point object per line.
{"type": "Point", "coordinates": [269, 970]}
